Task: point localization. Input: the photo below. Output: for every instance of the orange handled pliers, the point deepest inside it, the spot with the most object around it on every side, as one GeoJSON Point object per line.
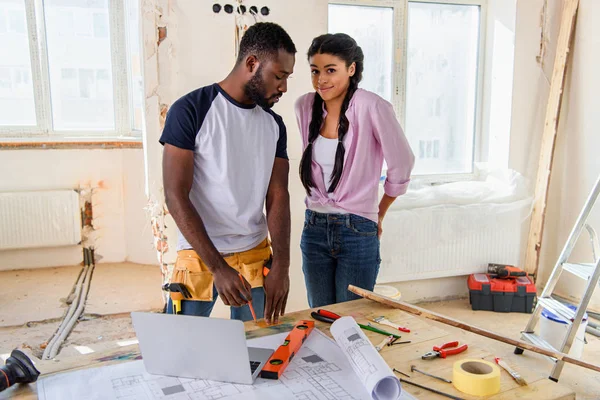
{"type": "Point", "coordinates": [445, 350]}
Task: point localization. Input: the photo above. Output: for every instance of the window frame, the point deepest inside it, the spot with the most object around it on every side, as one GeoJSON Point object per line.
{"type": "Point", "coordinates": [42, 131]}
{"type": "Point", "coordinates": [400, 57]}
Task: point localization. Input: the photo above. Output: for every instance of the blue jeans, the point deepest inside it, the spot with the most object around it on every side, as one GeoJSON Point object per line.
{"type": "Point", "coordinates": [204, 308]}
{"type": "Point", "coordinates": [338, 250]}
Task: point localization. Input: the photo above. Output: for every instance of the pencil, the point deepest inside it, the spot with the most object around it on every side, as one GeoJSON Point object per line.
{"type": "Point", "coordinates": [249, 302]}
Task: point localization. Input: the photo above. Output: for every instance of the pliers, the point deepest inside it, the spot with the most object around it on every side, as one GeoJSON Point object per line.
{"type": "Point", "coordinates": [447, 349]}
{"type": "Point", "coordinates": [325, 316]}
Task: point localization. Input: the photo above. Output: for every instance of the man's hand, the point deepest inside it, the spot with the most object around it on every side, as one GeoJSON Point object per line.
{"type": "Point", "coordinates": [379, 227]}
{"type": "Point", "coordinates": [232, 290]}
{"type": "Point", "coordinates": [277, 288]}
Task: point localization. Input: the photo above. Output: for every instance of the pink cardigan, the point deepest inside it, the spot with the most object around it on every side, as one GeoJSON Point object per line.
{"type": "Point", "coordinates": [374, 135]}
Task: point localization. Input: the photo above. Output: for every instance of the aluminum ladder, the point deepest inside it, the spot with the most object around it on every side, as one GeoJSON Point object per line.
{"type": "Point", "coordinates": [589, 272]}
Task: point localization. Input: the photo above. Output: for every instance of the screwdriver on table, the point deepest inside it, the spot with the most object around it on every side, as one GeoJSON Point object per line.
{"type": "Point", "coordinates": [330, 317]}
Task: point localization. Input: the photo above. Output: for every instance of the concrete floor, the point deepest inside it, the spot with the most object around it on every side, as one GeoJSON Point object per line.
{"type": "Point", "coordinates": [34, 301]}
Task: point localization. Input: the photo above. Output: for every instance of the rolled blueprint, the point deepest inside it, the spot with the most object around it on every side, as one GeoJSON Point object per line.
{"type": "Point", "coordinates": [368, 364]}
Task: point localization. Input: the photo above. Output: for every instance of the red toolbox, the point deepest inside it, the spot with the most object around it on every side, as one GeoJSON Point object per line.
{"type": "Point", "coordinates": [501, 295]}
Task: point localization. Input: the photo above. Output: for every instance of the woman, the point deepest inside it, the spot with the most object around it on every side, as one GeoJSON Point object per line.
{"type": "Point", "coordinates": [347, 132]}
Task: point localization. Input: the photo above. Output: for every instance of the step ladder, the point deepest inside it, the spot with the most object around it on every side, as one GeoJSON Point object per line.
{"type": "Point", "coordinates": [589, 272]}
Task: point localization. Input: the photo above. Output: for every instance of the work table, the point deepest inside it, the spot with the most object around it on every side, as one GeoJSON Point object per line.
{"type": "Point", "coordinates": [423, 336]}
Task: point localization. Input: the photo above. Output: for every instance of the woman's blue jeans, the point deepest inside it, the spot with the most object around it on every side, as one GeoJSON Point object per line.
{"type": "Point", "coordinates": [338, 250]}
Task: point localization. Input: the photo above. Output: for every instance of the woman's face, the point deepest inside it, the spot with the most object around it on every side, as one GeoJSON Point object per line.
{"type": "Point", "coordinates": [330, 76]}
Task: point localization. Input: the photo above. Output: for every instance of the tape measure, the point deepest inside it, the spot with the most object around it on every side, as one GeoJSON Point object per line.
{"type": "Point", "coordinates": [281, 358]}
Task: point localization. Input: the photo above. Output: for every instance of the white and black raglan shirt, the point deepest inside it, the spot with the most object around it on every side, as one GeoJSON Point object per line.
{"type": "Point", "coordinates": [234, 148]}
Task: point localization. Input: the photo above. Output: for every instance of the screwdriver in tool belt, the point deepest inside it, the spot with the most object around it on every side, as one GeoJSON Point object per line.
{"type": "Point", "coordinates": [333, 316]}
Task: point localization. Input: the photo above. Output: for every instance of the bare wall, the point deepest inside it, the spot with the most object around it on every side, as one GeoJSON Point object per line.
{"type": "Point", "coordinates": [576, 163]}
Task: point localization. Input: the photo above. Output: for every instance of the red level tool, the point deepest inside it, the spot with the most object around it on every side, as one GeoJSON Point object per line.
{"type": "Point", "coordinates": [281, 358]}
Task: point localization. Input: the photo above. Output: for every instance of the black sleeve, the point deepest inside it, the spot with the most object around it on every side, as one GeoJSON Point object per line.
{"type": "Point", "coordinates": [281, 151]}
{"type": "Point", "coordinates": [180, 125]}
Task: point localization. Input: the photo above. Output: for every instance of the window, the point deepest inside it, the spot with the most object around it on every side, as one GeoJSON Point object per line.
{"type": "Point", "coordinates": [3, 25]}
{"type": "Point", "coordinates": [429, 149]}
{"type": "Point", "coordinates": [16, 18]}
{"type": "Point", "coordinates": [100, 25]}
{"type": "Point", "coordinates": [424, 57]}
{"type": "Point", "coordinates": [17, 106]}
{"type": "Point", "coordinates": [441, 83]}
{"type": "Point", "coordinates": [135, 64]}
{"type": "Point", "coordinates": [374, 33]}
{"type": "Point", "coordinates": [76, 82]}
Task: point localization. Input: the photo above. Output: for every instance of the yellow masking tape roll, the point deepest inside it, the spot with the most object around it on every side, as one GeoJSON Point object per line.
{"type": "Point", "coordinates": [476, 377]}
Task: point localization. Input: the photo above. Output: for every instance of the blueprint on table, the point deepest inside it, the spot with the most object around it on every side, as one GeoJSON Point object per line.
{"type": "Point", "coordinates": [320, 371]}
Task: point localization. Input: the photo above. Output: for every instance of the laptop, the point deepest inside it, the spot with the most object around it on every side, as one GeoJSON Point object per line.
{"type": "Point", "coordinates": [197, 347]}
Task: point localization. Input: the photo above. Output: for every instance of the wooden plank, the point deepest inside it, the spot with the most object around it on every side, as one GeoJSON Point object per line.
{"type": "Point", "coordinates": [469, 328]}
{"type": "Point", "coordinates": [536, 227]}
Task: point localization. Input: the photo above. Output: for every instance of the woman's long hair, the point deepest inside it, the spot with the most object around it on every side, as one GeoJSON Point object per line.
{"type": "Point", "coordinates": [346, 48]}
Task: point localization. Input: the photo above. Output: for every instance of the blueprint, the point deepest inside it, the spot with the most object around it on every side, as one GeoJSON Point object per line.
{"type": "Point", "coordinates": [372, 370]}
{"type": "Point", "coordinates": [320, 371]}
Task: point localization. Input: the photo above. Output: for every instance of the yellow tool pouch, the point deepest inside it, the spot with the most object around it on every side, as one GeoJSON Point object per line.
{"type": "Point", "coordinates": [191, 271]}
{"type": "Point", "coordinates": [250, 264]}
{"type": "Point", "coordinates": [194, 274]}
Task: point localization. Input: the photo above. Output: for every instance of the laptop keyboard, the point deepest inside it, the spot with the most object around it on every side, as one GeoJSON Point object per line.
{"type": "Point", "coordinates": [253, 366]}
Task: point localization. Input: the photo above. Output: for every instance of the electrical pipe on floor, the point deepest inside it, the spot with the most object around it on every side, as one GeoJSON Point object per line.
{"type": "Point", "coordinates": [70, 312]}
{"type": "Point", "coordinates": [71, 323]}
{"type": "Point", "coordinates": [76, 308]}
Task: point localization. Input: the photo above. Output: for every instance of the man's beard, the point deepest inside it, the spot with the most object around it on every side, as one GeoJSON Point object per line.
{"type": "Point", "coordinates": [254, 89]}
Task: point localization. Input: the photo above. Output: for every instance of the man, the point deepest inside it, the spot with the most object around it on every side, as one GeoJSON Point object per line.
{"type": "Point", "coordinates": [225, 153]}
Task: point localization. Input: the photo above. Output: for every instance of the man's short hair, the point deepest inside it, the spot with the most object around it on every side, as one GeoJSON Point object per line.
{"type": "Point", "coordinates": [264, 40]}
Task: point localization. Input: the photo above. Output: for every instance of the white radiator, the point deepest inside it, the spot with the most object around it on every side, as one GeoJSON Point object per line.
{"type": "Point", "coordinates": [437, 242]}
{"type": "Point", "coordinates": [39, 219]}
{"type": "Point", "coordinates": [454, 229]}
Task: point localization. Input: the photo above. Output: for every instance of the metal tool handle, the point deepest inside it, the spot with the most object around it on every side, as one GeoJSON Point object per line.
{"type": "Point", "coordinates": [430, 389]}
{"type": "Point", "coordinates": [413, 369]}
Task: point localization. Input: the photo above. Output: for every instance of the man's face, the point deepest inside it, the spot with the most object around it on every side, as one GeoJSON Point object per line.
{"type": "Point", "coordinates": [269, 81]}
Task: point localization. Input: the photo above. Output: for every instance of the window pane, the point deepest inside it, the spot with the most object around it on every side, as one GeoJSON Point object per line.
{"type": "Point", "coordinates": [17, 106]}
{"type": "Point", "coordinates": [3, 24]}
{"type": "Point", "coordinates": [135, 64]}
{"type": "Point", "coordinates": [79, 57]}
{"type": "Point", "coordinates": [372, 28]}
{"type": "Point", "coordinates": [100, 25]}
{"type": "Point", "coordinates": [441, 86]}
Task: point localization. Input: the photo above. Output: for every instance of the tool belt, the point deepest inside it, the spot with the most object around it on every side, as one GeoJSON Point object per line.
{"type": "Point", "coordinates": [193, 273]}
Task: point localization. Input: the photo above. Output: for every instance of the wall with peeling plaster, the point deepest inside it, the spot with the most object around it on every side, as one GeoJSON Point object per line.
{"type": "Point", "coordinates": [122, 229]}
{"type": "Point", "coordinates": [576, 162]}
